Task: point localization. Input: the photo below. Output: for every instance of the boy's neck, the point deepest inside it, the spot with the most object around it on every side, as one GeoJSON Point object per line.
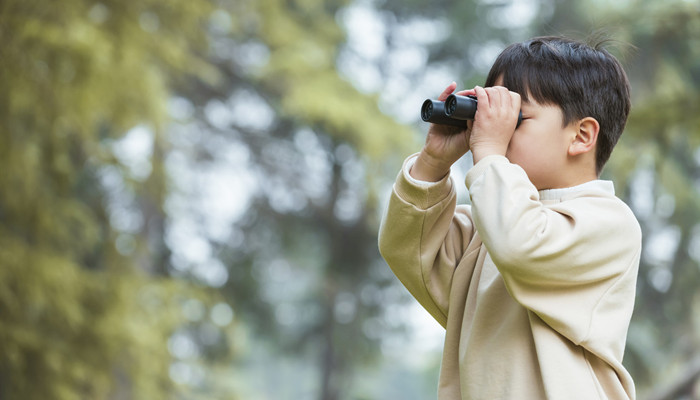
{"type": "Point", "coordinates": [576, 171]}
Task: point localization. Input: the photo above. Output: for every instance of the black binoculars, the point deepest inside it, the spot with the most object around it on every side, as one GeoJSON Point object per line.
{"type": "Point", "coordinates": [454, 111]}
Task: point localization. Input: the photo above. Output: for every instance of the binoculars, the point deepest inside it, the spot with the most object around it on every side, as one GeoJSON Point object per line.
{"type": "Point", "coordinates": [454, 111]}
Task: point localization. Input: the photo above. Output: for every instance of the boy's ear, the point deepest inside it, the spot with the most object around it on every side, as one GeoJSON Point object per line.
{"type": "Point", "coordinates": [586, 136]}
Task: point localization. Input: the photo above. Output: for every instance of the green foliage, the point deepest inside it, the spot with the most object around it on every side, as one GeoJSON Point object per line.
{"type": "Point", "coordinates": [301, 79]}
{"type": "Point", "coordinates": [303, 259]}
{"type": "Point", "coordinates": [78, 319]}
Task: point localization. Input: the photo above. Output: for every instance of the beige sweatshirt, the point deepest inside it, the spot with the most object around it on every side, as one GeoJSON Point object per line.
{"type": "Point", "coordinates": [535, 289]}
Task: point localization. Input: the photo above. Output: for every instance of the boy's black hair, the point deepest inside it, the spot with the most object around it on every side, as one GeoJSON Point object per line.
{"type": "Point", "coordinates": [583, 80]}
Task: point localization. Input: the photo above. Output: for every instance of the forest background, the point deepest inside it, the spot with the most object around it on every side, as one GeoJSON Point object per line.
{"type": "Point", "coordinates": [190, 189]}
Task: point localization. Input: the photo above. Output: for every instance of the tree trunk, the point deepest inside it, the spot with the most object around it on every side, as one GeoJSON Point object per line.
{"type": "Point", "coordinates": [329, 381]}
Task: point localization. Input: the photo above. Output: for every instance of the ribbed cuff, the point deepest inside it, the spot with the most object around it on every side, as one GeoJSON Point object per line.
{"type": "Point", "coordinates": [422, 194]}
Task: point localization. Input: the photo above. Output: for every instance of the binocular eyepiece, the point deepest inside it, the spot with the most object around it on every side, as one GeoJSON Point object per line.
{"type": "Point", "coordinates": [454, 111]}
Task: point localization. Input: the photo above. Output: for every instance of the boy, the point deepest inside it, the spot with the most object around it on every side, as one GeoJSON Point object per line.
{"type": "Point", "coordinates": [535, 282]}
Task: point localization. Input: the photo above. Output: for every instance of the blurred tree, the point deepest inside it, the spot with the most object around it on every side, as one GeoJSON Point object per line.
{"type": "Point", "coordinates": [304, 269]}
{"type": "Point", "coordinates": [85, 305]}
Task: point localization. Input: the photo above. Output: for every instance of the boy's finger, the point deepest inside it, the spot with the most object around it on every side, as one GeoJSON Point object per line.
{"type": "Point", "coordinates": [481, 95]}
{"type": "Point", "coordinates": [466, 92]}
{"type": "Point", "coordinates": [506, 99]}
{"type": "Point", "coordinates": [495, 99]}
{"type": "Point", "coordinates": [516, 100]}
{"type": "Point", "coordinates": [448, 91]}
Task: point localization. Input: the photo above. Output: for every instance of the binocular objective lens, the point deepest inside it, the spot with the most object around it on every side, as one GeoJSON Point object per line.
{"type": "Point", "coordinates": [428, 111]}
{"type": "Point", "coordinates": [451, 107]}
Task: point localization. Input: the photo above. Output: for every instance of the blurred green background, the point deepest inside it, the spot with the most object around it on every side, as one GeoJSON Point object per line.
{"type": "Point", "coordinates": [191, 189]}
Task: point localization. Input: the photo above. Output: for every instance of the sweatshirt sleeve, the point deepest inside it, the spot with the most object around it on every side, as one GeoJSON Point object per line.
{"type": "Point", "coordinates": [573, 263]}
{"type": "Point", "coordinates": [422, 237]}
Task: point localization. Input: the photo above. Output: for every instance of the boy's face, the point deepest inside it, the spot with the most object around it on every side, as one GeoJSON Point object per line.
{"type": "Point", "coordinates": [540, 144]}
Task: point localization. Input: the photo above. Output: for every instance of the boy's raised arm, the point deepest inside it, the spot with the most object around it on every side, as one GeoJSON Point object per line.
{"type": "Point", "coordinates": [423, 236]}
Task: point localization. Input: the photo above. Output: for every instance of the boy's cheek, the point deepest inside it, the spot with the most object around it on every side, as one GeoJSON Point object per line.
{"type": "Point", "coordinates": [517, 151]}
{"type": "Point", "coordinates": [513, 145]}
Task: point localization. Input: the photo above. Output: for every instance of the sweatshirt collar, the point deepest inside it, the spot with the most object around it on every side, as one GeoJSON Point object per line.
{"type": "Point", "coordinates": [600, 187]}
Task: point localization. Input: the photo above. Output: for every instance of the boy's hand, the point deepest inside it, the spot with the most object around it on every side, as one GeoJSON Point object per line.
{"type": "Point", "coordinates": [444, 145]}
{"type": "Point", "coordinates": [495, 121]}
